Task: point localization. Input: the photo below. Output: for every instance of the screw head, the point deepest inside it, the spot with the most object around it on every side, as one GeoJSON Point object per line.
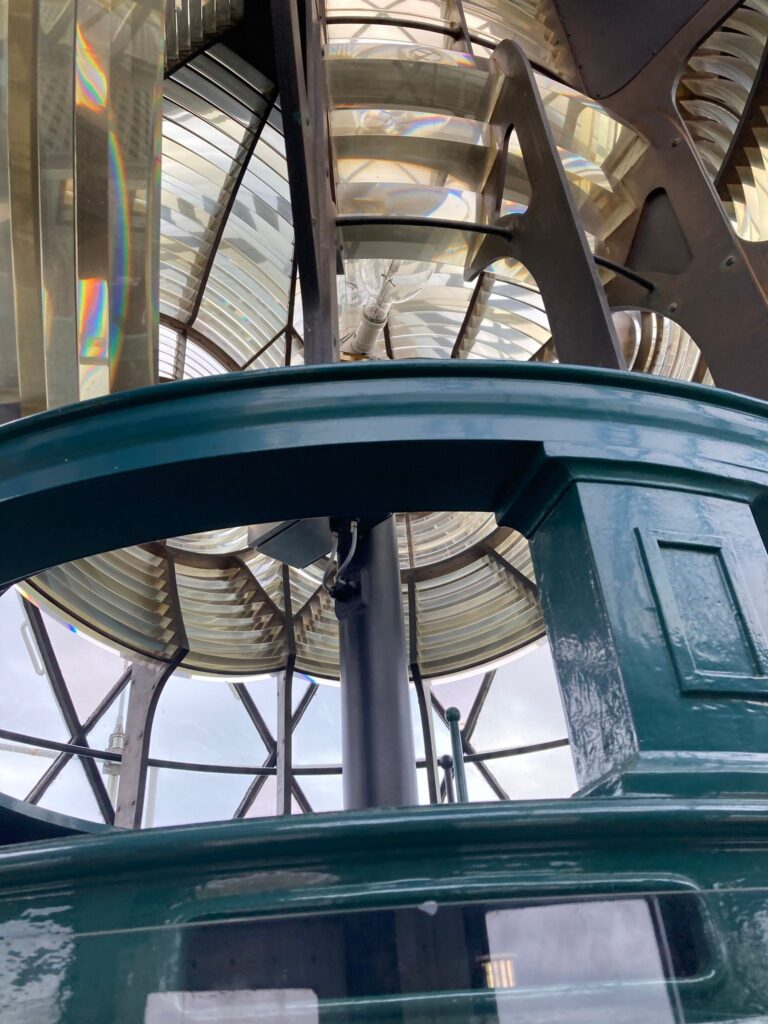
{"type": "Point", "coordinates": [729, 261]}
{"type": "Point", "coordinates": [672, 308]}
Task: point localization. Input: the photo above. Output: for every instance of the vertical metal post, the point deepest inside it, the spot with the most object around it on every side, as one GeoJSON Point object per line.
{"type": "Point", "coordinates": [283, 748]}
{"type": "Point", "coordinates": [423, 689]}
{"type": "Point", "coordinates": [452, 716]}
{"type": "Point", "coordinates": [422, 686]}
{"type": "Point", "coordinates": [151, 797]}
{"type": "Point", "coordinates": [284, 737]}
{"type": "Point", "coordinates": [446, 763]}
{"type": "Point", "coordinates": [299, 52]}
{"type": "Point", "coordinates": [379, 757]}
{"type": "Point", "coordinates": [147, 682]}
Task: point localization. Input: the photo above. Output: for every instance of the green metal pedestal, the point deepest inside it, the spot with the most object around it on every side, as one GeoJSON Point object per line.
{"type": "Point", "coordinates": [656, 603]}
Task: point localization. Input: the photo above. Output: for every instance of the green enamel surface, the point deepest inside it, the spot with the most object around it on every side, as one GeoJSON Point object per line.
{"type": "Point", "coordinates": [362, 439]}
{"type": "Point", "coordinates": [90, 926]}
{"type": "Point", "coordinates": [644, 501]}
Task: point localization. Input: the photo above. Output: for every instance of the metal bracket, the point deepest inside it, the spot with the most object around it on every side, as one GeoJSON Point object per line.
{"type": "Point", "coordinates": [548, 238]}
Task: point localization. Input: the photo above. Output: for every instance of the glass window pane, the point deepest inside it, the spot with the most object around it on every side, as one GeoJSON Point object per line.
{"type": "Point", "coordinates": [545, 775]}
{"type": "Point", "coordinates": [324, 792]}
{"type": "Point", "coordinates": [523, 705]}
{"type": "Point", "coordinates": [71, 793]}
{"type": "Point", "coordinates": [204, 721]}
{"type": "Point", "coordinates": [478, 789]}
{"type": "Point", "coordinates": [265, 804]}
{"type": "Point", "coordinates": [21, 766]}
{"type": "Point", "coordinates": [89, 669]}
{"type": "Point", "coordinates": [317, 738]}
{"type": "Point", "coordinates": [182, 797]}
{"type": "Point", "coordinates": [27, 703]}
{"type": "Point", "coordinates": [459, 693]}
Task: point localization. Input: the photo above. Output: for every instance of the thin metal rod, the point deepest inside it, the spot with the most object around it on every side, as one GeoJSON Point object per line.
{"type": "Point", "coordinates": [243, 769]}
{"type": "Point", "coordinates": [103, 706]}
{"type": "Point", "coordinates": [205, 343]}
{"type": "Point", "coordinates": [180, 358]}
{"type": "Point", "coordinates": [619, 268]}
{"type": "Point", "coordinates": [284, 746]}
{"type": "Point", "coordinates": [474, 227]}
{"type": "Point", "coordinates": [182, 62]}
{"type": "Point", "coordinates": [421, 685]}
{"type": "Point", "coordinates": [287, 328]}
{"type": "Point", "coordinates": [67, 748]}
{"type": "Point", "coordinates": [453, 715]}
{"type": "Point", "coordinates": [479, 701]}
{"type": "Point", "coordinates": [531, 748]}
{"type": "Point", "coordinates": [458, 344]}
{"type": "Point", "coordinates": [414, 23]}
{"type": "Point", "coordinates": [457, 33]}
{"type": "Point", "coordinates": [300, 797]}
{"type": "Point", "coordinates": [388, 340]}
{"type": "Point", "coordinates": [446, 763]}
{"type": "Point", "coordinates": [513, 571]}
{"type": "Point", "coordinates": [464, 35]}
{"type": "Point", "coordinates": [264, 347]}
{"type": "Point", "coordinates": [255, 715]}
{"type": "Point", "coordinates": [247, 153]}
{"type": "Point", "coordinates": [467, 748]}
{"type": "Point", "coordinates": [493, 782]}
{"type": "Point", "coordinates": [260, 771]}
{"type": "Point", "coordinates": [423, 695]}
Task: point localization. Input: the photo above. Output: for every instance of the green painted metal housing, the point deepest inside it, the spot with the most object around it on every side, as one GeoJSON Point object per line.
{"type": "Point", "coordinates": [641, 499]}
{"type": "Point", "coordinates": [362, 438]}
{"type": "Point", "coordinates": [93, 927]}
{"type": "Point", "coordinates": [645, 505]}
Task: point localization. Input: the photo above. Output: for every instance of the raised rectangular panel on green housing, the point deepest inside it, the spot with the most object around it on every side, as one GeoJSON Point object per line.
{"type": "Point", "coordinates": [656, 604]}
{"type": "Point", "coordinates": [715, 638]}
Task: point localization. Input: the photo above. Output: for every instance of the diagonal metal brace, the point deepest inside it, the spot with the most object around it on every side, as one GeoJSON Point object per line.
{"type": "Point", "coordinates": [548, 237]}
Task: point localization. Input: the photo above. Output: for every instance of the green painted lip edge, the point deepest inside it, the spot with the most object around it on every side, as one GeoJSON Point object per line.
{"type": "Point", "coordinates": [493, 369]}
{"type": "Point", "coordinates": [541, 824]}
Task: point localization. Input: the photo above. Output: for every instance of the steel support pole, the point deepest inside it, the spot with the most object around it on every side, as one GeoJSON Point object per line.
{"type": "Point", "coordinates": [299, 44]}
{"type": "Point", "coordinates": [147, 682]}
{"type": "Point", "coordinates": [446, 763]}
{"type": "Point", "coordinates": [379, 757]}
{"type": "Point", "coordinates": [453, 716]}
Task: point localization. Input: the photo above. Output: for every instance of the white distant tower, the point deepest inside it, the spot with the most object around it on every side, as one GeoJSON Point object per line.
{"type": "Point", "coordinates": [116, 745]}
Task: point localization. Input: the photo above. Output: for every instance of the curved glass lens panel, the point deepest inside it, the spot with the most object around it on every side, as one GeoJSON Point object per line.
{"type": "Point", "coordinates": [725, 106]}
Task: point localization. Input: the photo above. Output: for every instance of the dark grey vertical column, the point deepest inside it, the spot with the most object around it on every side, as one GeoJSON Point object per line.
{"type": "Point", "coordinates": [379, 757]}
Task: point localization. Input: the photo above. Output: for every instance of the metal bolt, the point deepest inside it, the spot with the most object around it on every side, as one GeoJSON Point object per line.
{"type": "Point", "coordinates": [729, 261]}
{"type": "Point", "coordinates": [672, 308]}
